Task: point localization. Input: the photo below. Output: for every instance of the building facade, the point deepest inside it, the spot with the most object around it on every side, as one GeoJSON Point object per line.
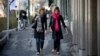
{"type": "Point", "coordinates": [84, 16]}
{"type": "Point", "coordinates": [2, 14]}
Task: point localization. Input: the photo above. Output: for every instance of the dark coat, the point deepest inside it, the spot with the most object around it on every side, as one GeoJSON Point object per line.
{"type": "Point", "coordinates": [44, 27]}
{"type": "Point", "coordinates": [52, 25]}
{"type": "Point", "coordinates": [23, 16]}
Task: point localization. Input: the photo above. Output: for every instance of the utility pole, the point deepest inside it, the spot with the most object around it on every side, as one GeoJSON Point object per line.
{"type": "Point", "coordinates": [8, 12]}
{"type": "Point", "coordinates": [28, 12]}
{"type": "Point", "coordinates": [8, 8]}
{"type": "Point", "coordinates": [19, 10]}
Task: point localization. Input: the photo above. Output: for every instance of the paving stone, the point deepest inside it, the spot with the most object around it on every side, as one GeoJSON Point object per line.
{"type": "Point", "coordinates": [22, 43]}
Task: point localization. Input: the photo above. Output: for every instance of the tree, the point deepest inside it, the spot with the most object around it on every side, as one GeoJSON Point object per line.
{"type": "Point", "coordinates": [6, 10]}
{"type": "Point", "coordinates": [5, 3]}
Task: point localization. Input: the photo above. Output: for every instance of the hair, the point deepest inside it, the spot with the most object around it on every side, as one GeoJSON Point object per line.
{"type": "Point", "coordinates": [57, 8]}
{"type": "Point", "coordinates": [42, 9]}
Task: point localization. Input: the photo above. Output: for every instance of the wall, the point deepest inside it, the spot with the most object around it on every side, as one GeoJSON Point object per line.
{"type": "Point", "coordinates": [98, 24]}
{"type": "Point", "coordinates": [84, 15]}
{"type": "Point", "coordinates": [94, 26]}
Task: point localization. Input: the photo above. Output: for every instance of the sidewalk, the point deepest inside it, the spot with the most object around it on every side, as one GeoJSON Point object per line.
{"type": "Point", "coordinates": [22, 43]}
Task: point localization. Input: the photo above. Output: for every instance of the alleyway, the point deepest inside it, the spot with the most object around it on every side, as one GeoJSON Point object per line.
{"type": "Point", "coordinates": [22, 43]}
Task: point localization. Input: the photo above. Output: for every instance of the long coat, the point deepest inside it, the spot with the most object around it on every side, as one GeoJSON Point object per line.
{"type": "Point", "coordinates": [44, 27]}
{"type": "Point", "coordinates": [52, 25]}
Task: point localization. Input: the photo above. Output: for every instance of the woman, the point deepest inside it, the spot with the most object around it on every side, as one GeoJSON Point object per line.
{"type": "Point", "coordinates": [55, 26]}
{"type": "Point", "coordinates": [40, 27]}
{"type": "Point", "coordinates": [23, 18]}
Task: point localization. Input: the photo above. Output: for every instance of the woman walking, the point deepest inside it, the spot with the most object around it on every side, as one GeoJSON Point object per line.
{"type": "Point", "coordinates": [55, 27]}
{"type": "Point", "coordinates": [40, 27]}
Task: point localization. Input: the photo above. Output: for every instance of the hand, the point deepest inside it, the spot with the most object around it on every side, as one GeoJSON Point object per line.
{"type": "Point", "coordinates": [66, 30]}
{"type": "Point", "coordinates": [45, 31]}
{"type": "Point", "coordinates": [50, 29]}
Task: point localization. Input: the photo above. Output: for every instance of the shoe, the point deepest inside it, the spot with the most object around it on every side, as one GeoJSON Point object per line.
{"type": "Point", "coordinates": [37, 53]}
{"type": "Point", "coordinates": [53, 50]}
{"type": "Point", "coordinates": [41, 50]}
{"type": "Point", "coordinates": [58, 53]}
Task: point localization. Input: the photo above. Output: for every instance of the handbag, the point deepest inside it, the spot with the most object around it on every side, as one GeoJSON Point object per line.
{"type": "Point", "coordinates": [34, 25]}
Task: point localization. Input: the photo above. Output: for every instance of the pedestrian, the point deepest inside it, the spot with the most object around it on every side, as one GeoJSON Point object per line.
{"type": "Point", "coordinates": [55, 27]}
{"type": "Point", "coordinates": [40, 27]}
{"type": "Point", "coordinates": [23, 18]}
{"type": "Point", "coordinates": [19, 24]}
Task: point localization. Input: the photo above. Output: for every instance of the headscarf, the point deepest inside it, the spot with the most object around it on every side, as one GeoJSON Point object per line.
{"type": "Point", "coordinates": [56, 18]}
